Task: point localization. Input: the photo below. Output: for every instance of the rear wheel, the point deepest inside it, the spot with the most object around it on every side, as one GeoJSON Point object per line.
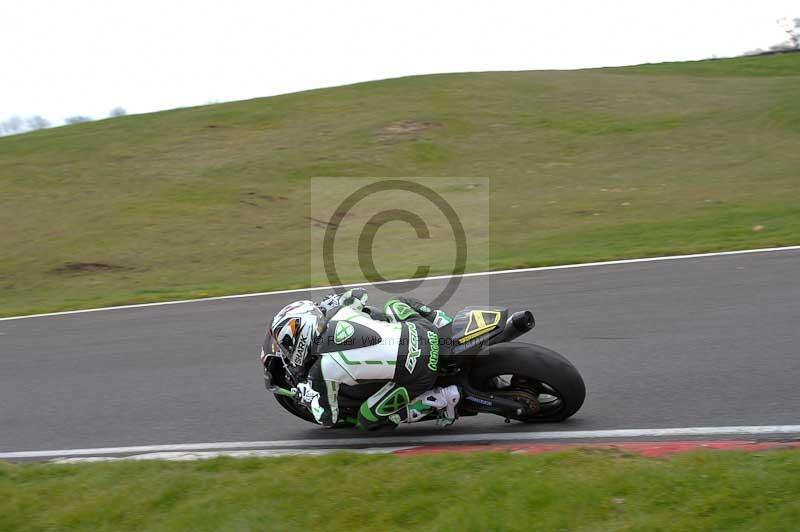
{"type": "Point", "coordinates": [546, 382]}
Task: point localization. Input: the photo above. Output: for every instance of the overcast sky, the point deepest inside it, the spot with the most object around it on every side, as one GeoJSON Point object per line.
{"type": "Point", "coordinates": [63, 58]}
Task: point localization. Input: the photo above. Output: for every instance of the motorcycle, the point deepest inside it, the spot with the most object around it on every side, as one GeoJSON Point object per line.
{"type": "Point", "coordinates": [496, 375]}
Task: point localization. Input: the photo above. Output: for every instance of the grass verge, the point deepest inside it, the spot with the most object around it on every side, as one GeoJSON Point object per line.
{"type": "Point", "coordinates": [572, 490]}
{"type": "Point", "coordinates": [584, 165]}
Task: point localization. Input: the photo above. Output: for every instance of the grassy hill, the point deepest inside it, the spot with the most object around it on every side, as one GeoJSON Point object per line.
{"type": "Point", "coordinates": [579, 489]}
{"type": "Point", "coordinates": [585, 165]}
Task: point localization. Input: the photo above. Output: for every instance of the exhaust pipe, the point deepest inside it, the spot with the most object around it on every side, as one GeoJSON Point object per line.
{"type": "Point", "coordinates": [522, 321]}
{"type": "Point", "coordinates": [518, 324]}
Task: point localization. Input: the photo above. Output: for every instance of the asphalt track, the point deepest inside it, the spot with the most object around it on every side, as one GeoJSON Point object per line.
{"type": "Point", "coordinates": [707, 342]}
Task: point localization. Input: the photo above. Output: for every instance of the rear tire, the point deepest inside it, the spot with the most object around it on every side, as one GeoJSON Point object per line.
{"type": "Point", "coordinates": [533, 363]}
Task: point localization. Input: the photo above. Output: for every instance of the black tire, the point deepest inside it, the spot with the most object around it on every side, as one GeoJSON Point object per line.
{"type": "Point", "coordinates": [295, 409]}
{"type": "Point", "coordinates": [537, 363]}
{"type": "Point", "coordinates": [291, 405]}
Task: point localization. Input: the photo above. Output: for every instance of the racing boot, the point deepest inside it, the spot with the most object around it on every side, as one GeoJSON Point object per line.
{"type": "Point", "coordinates": [441, 400]}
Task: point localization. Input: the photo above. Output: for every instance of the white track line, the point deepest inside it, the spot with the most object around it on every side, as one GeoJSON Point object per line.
{"type": "Point", "coordinates": [205, 455]}
{"type": "Point", "coordinates": [341, 443]}
{"type": "Point", "coordinates": [432, 278]}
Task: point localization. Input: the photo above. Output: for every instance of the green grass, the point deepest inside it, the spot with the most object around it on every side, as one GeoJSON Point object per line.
{"type": "Point", "coordinates": [574, 490]}
{"type": "Point", "coordinates": [783, 64]}
{"type": "Point", "coordinates": [584, 165]}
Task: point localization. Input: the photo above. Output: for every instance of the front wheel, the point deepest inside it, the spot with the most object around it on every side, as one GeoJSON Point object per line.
{"type": "Point", "coordinates": [346, 414]}
{"type": "Point", "coordinates": [294, 408]}
{"type": "Point", "coordinates": [534, 375]}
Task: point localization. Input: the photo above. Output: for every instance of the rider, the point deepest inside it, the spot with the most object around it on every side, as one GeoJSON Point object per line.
{"type": "Point", "coordinates": [339, 343]}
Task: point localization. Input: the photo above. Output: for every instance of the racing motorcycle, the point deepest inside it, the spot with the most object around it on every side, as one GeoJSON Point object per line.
{"type": "Point", "coordinates": [514, 380]}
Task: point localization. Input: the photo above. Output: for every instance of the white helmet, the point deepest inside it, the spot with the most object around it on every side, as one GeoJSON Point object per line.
{"type": "Point", "coordinates": [296, 328]}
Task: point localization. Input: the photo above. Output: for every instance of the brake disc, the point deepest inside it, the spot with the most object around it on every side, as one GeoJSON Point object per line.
{"type": "Point", "coordinates": [521, 395]}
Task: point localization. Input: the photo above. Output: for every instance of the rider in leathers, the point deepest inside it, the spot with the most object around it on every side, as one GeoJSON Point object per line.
{"type": "Point", "coordinates": [342, 344]}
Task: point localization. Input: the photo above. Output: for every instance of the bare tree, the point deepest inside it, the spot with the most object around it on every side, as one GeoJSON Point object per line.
{"type": "Point", "coordinates": [118, 111]}
{"type": "Point", "coordinates": [792, 42]}
{"type": "Point", "coordinates": [15, 124]}
{"type": "Point", "coordinates": [12, 126]}
{"type": "Point", "coordinates": [37, 122]}
{"type": "Point", "coordinates": [77, 119]}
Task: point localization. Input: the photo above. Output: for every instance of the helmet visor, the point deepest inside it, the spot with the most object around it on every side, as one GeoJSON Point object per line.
{"type": "Point", "coordinates": [285, 336]}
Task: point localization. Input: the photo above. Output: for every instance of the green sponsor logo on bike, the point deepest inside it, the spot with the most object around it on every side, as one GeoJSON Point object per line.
{"type": "Point", "coordinates": [343, 332]}
{"type": "Point", "coordinates": [413, 348]}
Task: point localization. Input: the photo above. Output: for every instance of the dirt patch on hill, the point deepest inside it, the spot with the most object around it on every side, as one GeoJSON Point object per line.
{"type": "Point", "coordinates": [406, 128]}
{"type": "Point", "coordinates": [87, 267]}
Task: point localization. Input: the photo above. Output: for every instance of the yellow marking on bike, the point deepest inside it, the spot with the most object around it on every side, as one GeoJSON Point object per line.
{"type": "Point", "coordinates": [478, 324]}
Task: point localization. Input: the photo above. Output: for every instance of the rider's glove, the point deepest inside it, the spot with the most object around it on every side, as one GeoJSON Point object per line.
{"type": "Point", "coordinates": [328, 303]}
{"type": "Point", "coordinates": [306, 394]}
{"type": "Point", "coordinates": [310, 399]}
{"type": "Point", "coordinates": [355, 298]}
